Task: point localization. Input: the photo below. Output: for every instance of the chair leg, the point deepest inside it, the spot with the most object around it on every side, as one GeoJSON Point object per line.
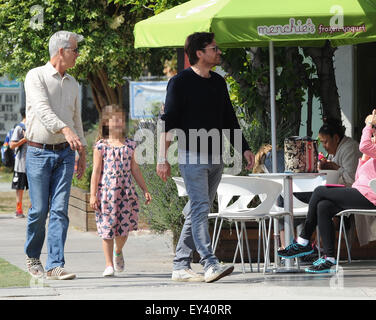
{"type": "Point", "coordinates": [276, 241]}
{"type": "Point", "coordinates": [214, 231]}
{"type": "Point", "coordinates": [258, 247]}
{"type": "Point", "coordinates": [347, 244]}
{"type": "Point", "coordinates": [267, 260]}
{"type": "Point", "coordinates": [217, 236]}
{"type": "Point", "coordinates": [236, 252]}
{"type": "Point", "coordinates": [247, 244]}
{"type": "Point", "coordinates": [339, 242]}
{"type": "Point", "coordinates": [264, 238]}
{"type": "Point", "coordinates": [318, 241]}
{"type": "Point", "coordinates": [298, 263]}
{"type": "Point", "coordinates": [240, 244]}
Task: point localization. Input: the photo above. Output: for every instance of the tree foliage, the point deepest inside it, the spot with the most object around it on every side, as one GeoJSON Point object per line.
{"type": "Point", "coordinates": [249, 80]}
{"type": "Point", "coordinates": [297, 79]}
{"type": "Point", "coordinates": [156, 6]}
{"type": "Point", "coordinates": [107, 54]}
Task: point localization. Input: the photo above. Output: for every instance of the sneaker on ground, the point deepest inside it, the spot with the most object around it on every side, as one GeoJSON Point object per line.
{"type": "Point", "coordinates": [108, 272]}
{"type": "Point", "coordinates": [186, 275]}
{"type": "Point", "coordinates": [34, 267]}
{"type": "Point", "coordinates": [59, 273]}
{"type": "Point", "coordinates": [321, 266]}
{"type": "Point", "coordinates": [118, 262]}
{"type": "Point", "coordinates": [295, 250]}
{"type": "Point", "coordinates": [217, 271]}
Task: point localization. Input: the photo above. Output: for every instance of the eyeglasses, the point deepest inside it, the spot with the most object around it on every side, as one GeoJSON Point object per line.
{"type": "Point", "coordinates": [75, 50]}
{"type": "Point", "coordinates": [215, 48]}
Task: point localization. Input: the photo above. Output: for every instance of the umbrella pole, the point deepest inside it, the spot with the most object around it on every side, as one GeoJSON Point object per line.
{"type": "Point", "coordinates": [272, 106]}
{"type": "Point", "coordinates": [274, 139]}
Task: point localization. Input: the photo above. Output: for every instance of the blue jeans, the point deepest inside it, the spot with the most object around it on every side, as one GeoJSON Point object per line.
{"type": "Point", "coordinates": [49, 174]}
{"type": "Point", "coordinates": [201, 181]}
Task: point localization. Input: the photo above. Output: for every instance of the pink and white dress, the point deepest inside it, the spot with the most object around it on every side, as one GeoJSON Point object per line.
{"type": "Point", "coordinates": [118, 201]}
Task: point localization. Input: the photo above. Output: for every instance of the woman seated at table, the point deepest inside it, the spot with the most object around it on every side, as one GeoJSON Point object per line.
{"type": "Point", "coordinates": [326, 202]}
{"type": "Point", "coordinates": [343, 151]}
{"type": "Point", "coordinates": [343, 156]}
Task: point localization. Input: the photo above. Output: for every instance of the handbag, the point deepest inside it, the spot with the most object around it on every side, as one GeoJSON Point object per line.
{"type": "Point", "coordinates": [301, 154]}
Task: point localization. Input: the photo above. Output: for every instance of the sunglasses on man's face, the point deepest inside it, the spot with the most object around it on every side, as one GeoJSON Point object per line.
{"type": "Point", "coordinates": [215, 48]}
{"type": "Point", "coordinates": [75, 50]}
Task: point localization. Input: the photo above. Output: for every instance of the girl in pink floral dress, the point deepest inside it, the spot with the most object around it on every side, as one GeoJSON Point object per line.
{"type": "Point", "coordinates": [112, 192]}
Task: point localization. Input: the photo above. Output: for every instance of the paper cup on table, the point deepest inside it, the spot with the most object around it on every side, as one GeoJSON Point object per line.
{"type": "Point", "coordinates": [332, 176]}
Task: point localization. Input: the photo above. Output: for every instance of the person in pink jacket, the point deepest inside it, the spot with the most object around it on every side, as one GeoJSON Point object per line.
{"type": "Point", "coordinates": [327, 201]}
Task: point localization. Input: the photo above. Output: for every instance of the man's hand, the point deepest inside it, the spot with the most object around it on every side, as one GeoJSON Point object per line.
{"type": "Point", "coordinates": [72, 139]}
{"type": "Point", "coordinates": [250, 158]}
{"type": "Point", "coordinates": [81, 166]}
{"type": "Point", "coordinates": [164, 170]}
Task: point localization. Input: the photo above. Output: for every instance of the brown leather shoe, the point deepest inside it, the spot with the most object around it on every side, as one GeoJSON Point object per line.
{"type": "Point", "coordinates": [59, 273]}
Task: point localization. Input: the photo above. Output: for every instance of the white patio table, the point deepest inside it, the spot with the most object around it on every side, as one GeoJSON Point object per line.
{"type": "Point", "coordinates": [287, 178]}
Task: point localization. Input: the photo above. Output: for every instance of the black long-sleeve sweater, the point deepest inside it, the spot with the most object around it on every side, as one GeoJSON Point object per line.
{"type": "Point", "coordinates": [193, 103]}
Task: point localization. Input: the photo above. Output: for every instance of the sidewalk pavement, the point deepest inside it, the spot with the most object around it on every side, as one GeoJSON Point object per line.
{"type": "Point", "coordinates": [148, 270]}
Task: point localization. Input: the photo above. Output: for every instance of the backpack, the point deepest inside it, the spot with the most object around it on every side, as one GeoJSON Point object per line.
{"type": "Point", "coordinates": [7, 154]}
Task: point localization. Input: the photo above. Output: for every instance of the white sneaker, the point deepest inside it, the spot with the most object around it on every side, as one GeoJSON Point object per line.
{"type": "Point", "coordinates": [217, 271]}
{"type": "Point", "coordinates": [118, 262]}
{"type": "Point", "coordinates": [108, 272]}
{"type": "Point", "coordinates": [186, 275]}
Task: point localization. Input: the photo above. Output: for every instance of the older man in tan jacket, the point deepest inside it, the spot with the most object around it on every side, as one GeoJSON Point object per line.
{"type": "Point", "coordinates": [54, 133]}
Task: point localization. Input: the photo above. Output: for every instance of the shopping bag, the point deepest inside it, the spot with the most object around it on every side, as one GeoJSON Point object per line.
{"type": "Point", "coordinates": [301, 154]}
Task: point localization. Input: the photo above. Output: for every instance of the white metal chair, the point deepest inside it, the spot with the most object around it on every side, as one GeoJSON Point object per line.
{"type": "Point", "coordinates": [246, 188]}
{"type": "Point", "coordinates": [347, 213]}
{"type": "Point", "coordinates": [224, 197]}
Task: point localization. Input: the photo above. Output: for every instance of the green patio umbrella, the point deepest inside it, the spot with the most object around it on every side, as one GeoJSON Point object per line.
{"type": "Point", "coordinates": [254, 23]}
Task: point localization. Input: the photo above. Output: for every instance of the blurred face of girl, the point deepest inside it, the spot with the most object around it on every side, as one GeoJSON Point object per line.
{"type": "Point", "coordinates": [116, 124]}
{"type": "Point", "coordinates": [329, 143]}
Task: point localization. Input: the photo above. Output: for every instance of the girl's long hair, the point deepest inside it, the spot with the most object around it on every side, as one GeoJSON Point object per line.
{"type": "Point", "coordinates": [107, 111]}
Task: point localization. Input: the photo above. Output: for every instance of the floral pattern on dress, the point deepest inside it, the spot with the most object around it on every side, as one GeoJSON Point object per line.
{"type": "Point", "coordinates": [118, 201]}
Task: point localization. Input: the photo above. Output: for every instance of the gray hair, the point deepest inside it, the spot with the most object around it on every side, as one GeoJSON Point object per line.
{"type": "Point", "coordinates": [61, 39]}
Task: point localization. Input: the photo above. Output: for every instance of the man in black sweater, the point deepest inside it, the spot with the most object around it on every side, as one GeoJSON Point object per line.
{"type": "Point", "coordinates": [198, 106]}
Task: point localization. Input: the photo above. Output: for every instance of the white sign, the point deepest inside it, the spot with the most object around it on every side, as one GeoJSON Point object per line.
{"type": "Point", "coordinates": [10, 104]}
{"type": "Point", "coordinates": [146, 98]}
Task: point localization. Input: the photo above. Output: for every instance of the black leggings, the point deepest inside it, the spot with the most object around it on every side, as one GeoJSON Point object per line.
{"type": "Point", "coordinates": [324, 204]}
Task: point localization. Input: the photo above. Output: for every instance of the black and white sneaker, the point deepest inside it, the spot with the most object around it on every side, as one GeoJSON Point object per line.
{"type": "Point", "coordinates": [322, 265]}
{"type": "Point", "coordinates": [310, 258]}
{"type": "Point", "coordinates": [295, 250]}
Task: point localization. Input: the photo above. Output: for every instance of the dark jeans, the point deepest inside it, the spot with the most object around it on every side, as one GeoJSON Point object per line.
{"type": "Point", "coordinates": [302, 196]}
{"type": "Point", "coordinates": [324, 204]}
